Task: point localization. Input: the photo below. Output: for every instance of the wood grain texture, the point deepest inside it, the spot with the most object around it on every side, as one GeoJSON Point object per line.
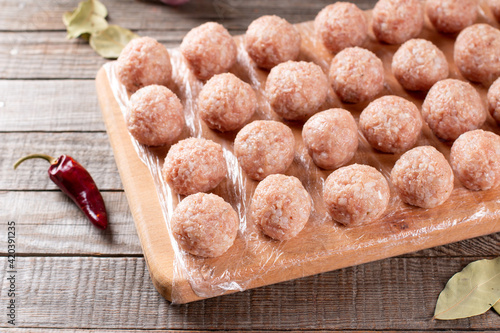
{"type": "Point", "coordinates": [92, 150]}
{"type": "Point", "coordinates": [43, 15]}
{"type": "Point", "coordinates": [44, 330]}
{"type": "Point", "coordinates": [53, 225]}
{"type": "Point", "coordinates": [49, 55]}
{"type": "Point", "coordinates": [116, 293]}
{"type": "Point", "coordinates": [52, 106]}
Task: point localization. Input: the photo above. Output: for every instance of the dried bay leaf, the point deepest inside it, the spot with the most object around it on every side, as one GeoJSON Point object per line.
{"type": "Point", "coordinates": [496, 307]}
{"type": "Point", "coordinates": [67, 17]}
{"type": "Point", "coordinates": [110, 42]}
{"type": "Point", "coordinates": [470, 292]}
{"type": "Point", "coordinates": [88, 18]}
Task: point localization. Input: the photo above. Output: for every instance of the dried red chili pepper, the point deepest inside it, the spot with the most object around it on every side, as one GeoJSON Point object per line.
{"type": "Point", "coordinates": [74, 180]}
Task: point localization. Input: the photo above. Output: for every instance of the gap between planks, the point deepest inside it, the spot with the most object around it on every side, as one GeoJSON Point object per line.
{"type": "Point", "coordinates": [87, 330]}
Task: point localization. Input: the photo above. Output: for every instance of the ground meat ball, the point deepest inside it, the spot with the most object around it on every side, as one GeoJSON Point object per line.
{"type": "Point", "coordinates": [396, 21]}
{"type": "Point", "coordinates": [494, 100]}
{"type": "Point", "coordinates": [477, 53]}
{"type": "Point", "coordinates": [391, 124]}
{"type": "Point", "coordinates": [281, 206]}
{"type": "Point", "coordinates": [204, 225]}
{"type": "Point", "coordinates": [226, 103]}
{"type": "Point", "coordinates": [296, 89]}
{"type": "Point", "coordinates": [155, 116]}
{"type": "Point", "coordinates": [341, 25]}
{"type": "Point", "coordinates": [264, 147]}
{"type": "Point", "coordinates": [418, 64]}
{"type": "Point", "coordinates": [453, 107]}
{"type": "Point", "coordinates": [143, 62]}
{"type": "Point", "coordinates": [451, 16]}
{"type": "Point", "coordinates": [331, 138]}
{"type": "Point", "coordinates": [356, 75]}
{"type": "Point", "coordinates": [495, 8]}
{"type": "Point", "coordinates": [209, 50]}
{"type": "Point", "coordinates": [356, 194]}
{"type": "Point", "coordinates": [475, 157]}
{"type": "Point", "coordinates": [194, 165]}
{"type": "Point", "coordinates": [271, 40]}
{"type": "Point", "coordinates": [422, 177]}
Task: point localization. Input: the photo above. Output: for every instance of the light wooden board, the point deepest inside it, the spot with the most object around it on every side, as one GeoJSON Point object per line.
{"type": "Point", "coordinates": [322, 245]}
{"type": "Point", "coordinates": [115, 293]}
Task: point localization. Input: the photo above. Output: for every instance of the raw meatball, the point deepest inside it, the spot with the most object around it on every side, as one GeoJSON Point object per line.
{"type": "Point", "coordinates": [475, 157]}
{"type": "Point", "coordinates": [453, 107]}
{"type": "Point", "coordinates": [264, 147]}
{"type": "Point", "coordinates": [451, 16]}
{"type": "Point", "coordinates": [194, 165]}
{"type": "Point", "coordinates": [281, 206]}
{"type": "Point", "coordinates": [418, 64]}
{"type": "Point", "coordinates": [204, 225]}
{"type": "Point", "coordinates": [209, 50]}
{"type": "Point", "coordinates": [495, 8]}
{"type": "Point", "coordinates": [422, 177]}
{"type": "Point", "coordinates": [494, 100]}
{"type": "Point", "coordinates": [356, 75]}
{"type": "Point", "coordinates": [341, 25]}
{"type": "Point", "coordinates": [331, 138]}
{"type": "Point", "coordinates": [391, 124]}
{"type": "Point", "coordinates": [226, 103]}
{"type": "Point", "coordinates": [271, 40]}
{"type": "Point", "coordinates": [143, 62]}
{"type": "Point", "coordinates": [356, 194]}
{"type": "Point", "coordinates": [155, 116]}
{"type": "Point", "coordinates": [396, 21]}
{"type": "Point", "coordinates": [296, 89]}
{"type": "Point", "coordinates": [477, 53]}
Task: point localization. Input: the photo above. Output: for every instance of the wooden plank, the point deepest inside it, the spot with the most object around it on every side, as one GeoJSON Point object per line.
{"type": "Point", "coordinates": [46, 55]}
{"type": "Point", "coordinates": [116, 293]}
{"type": "Point", "coordinates": [53, 105]}
{"type": "Point", "coordinates": [49, 55]}
{"type": "Point", "coordinates": [51, 224]}
{"type": "Point", "coordinates": [137, 15]}
{"type": "Point", "coordinates": [36, 330]}
{"type": "Point", "coordinates": [90, 149]}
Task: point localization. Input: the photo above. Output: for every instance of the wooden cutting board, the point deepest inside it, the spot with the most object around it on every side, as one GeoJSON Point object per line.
{"type": "Point", "coordinates": [323, 245]}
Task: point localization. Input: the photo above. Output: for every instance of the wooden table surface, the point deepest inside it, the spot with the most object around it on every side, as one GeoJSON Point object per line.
{"type": "Point", "coordinates": [70, 277]}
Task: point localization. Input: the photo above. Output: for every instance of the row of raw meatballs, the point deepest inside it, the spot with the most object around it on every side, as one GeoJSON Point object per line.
{"type": "Point", "coordinates": [209, 49]}
{"type": "Point", "coordinates": [391, 124]}
{"type": "Point", "coordinates": [206, 225]}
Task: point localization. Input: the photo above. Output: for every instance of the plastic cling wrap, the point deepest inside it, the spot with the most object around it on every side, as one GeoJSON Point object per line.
{"type": "Point", "coordinates": [323, 244]}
